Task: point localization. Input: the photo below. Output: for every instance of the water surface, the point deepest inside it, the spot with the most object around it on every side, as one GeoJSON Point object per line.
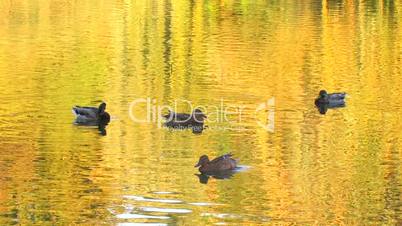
{"type": "Point", "coordinates": [343, 167]}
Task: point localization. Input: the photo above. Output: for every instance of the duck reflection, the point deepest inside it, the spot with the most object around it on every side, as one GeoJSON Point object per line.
{"type": "Point", "coordinates": [181, 121]}
{"type": "Point", "coordinates": [100, 126]}
{"type": "Point", "coordinates": [196, 129]}
{"type": "Point", "coordinates": [102, 129]}
{"type": "Point", "coordinates": [323, 107]}
{"type": "Point", "coordinates": [204, 177]}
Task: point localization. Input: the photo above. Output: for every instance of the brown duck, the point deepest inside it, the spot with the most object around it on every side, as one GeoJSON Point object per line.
{"type": "Point", "coordinates": [222, 163]}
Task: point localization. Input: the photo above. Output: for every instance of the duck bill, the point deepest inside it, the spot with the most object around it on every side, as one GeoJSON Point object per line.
{"type": "Point", "coordinates": [198, 164]}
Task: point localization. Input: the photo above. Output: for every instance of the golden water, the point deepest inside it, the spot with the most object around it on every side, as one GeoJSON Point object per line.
{"type": "Point", "coordinates": [341, 168]}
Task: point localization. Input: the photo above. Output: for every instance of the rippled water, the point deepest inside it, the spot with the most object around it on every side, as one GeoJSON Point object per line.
{"type": "Point", "coordinates": [267, 58]}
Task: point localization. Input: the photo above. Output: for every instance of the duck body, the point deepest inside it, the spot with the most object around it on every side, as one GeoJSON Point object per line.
{"type": "Point", "coordinates": [217, 165]}
{"type": "Point", "coordinates": [194, 120]}
{"type": "Point", "coordinates": [91, 115]}
{"type": "Point", "coordinates": [334, 99]}
{"type": "Point", "coordinates": [326, 101]}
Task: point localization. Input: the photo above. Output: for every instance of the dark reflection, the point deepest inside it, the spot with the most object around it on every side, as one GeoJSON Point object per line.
{"type": "Point", "coordinates": [392, 192]}
{"type": "Point", "coordinates": [10, 216]}
{"type": "Point", "coordinates": [196, 128]}
{"type": "Point", "coordinates": [336, 5]}
{"type": "Point", "coordinates": [180, 121]}
{"type": "Point", "coordinates": [203, 178]}
{"type": "Point", "coordinates": [323, 107]}
{"type": "Point", "coordinates": [100, 126]}
{"type": "Point", "coordinates": [167, 45]}
{"type": "Point", "coordinates": [189, 47]}
{"type": "Point", "coordinates": [371, 6]}
{"type": "Point", "coordinates": [102, 129]}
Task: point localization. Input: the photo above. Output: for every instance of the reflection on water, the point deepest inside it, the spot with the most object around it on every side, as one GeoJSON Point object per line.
{"type": "Point", "coordinates": [220, 176]}
{"type": "Point", "coordinates": [101, 128]}
{"type": "Point", "coordinates": [196, 129]}
{"type": "Point", "coordinates": [323, 108]}
{"type": "Point", "coordinates": [343, 168]}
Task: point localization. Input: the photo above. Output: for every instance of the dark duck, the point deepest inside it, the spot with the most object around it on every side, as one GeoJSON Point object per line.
{"type": "Point", "coordinates": [91, 115]}
{"type": "Point", "coordinates": [195, 120]}
{"type": "Point", "coordinates": [217, 165]}
{"type": "Point", "coordinates": [326, 101]}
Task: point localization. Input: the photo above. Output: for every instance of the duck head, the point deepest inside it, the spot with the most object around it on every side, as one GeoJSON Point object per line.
{"type": "Point", "coordinates": [101, 108]}
{"type": "Point", "coordinates": [203, 161]}
{"type": "Point", "coordinates": [323, 94]}
{"type": "Point", "coordinates": [198, 115]}
{"type": "Point", "coordinates": [104, 117]}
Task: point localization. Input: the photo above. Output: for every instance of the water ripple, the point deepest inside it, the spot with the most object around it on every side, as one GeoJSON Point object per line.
{"type": "Point", "coordinates": [140, 198]}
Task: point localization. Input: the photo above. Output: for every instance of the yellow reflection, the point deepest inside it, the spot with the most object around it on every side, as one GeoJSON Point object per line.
{"type": "Point", "coordinates": [341, 168]}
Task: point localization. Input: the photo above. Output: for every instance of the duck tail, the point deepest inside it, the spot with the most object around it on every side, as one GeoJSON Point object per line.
{"type": "Point", "coordinates": [74, 110]}
{"type": "Point", "coordinates": [77, 110]}
{"type": "Point", "coordinates": [167, 116]}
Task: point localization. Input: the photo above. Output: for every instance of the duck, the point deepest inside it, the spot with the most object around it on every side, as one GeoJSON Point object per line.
{"type": "Point", "coordinates": [330, 98]}
{"type": "Point", "coordinates": [91, 115]}
{"type": "Point", "coordinates": [219, 164]}
{"type": "Point", "coordinates": [184, 120]}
